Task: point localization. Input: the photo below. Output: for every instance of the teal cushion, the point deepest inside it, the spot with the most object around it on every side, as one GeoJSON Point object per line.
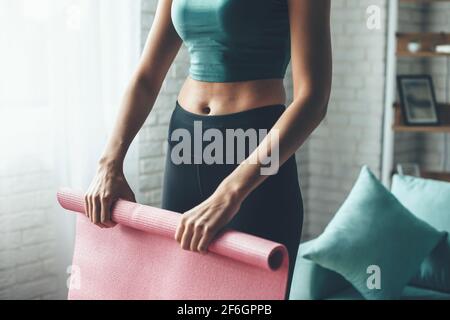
{"type": "Point", "coordinates": [373, 231]}
{"type": "Point", "coordinates": [313, 282]}
{"type": "Point", "coordinates": [429, 200]}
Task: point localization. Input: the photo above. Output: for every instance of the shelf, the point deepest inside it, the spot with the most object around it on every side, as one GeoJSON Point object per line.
{"type": "Point", "coordinates": [443, 127]}
{"type": "Point", "coordinates": [428, 41]}
{"type": "Point", "coordinates": [429, 129]}
{"type": "Point", "coordinates": [423, 1]}
{"type": "Point", "coordinates": [424, 129]}
{"type": "Point", "coordinates": [422, 54]}
{"type": "Point", "coordinates": [441, 176]}
{"type": "Point", "coordinates": [398, 50]}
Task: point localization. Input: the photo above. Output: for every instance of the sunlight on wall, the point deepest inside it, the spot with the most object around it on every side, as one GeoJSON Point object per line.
{"type": "Point", "coordinates": [38, 10]}
{"type": "Point", "coordinates": [42, 10]}
{"type": "Point", "coordinates": [64, 68]}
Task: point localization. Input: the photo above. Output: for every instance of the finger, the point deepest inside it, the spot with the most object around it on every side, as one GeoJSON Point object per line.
{"type": "Point", "coordinates": [91, 206]}
{"type": "Point", "coordinates": [206, 239]}
{"type": "Point", "coordinates": [105, 215]}
{"type": "Point", "coordinates": [96, 213]}
{"type": "Point", "coordinates": [86, 205]}
{"type": "Point", "coordinates": [187, 236]}
{"type": "Point", "coordinates": [110, 222]}
{"type": "Point", "coordinates": [180, 231]}
{"type": "Point", "coordinates": [198, 233]}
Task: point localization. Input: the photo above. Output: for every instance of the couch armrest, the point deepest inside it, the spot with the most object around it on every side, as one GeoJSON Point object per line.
{"type": "Point", "coordinates": [313, 282]}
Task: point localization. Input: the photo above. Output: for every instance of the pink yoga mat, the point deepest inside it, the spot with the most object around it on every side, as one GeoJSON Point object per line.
{"type": "Point", "coordinates": [139, 259]}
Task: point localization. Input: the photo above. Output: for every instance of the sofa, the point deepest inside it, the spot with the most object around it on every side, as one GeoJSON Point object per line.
{"type": "Point", "coordinates": [313, 282]}
{"type": "Point", "coordinates": [319, 275]}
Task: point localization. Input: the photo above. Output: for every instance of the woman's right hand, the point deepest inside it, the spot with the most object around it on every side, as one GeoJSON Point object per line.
{"type": "Point", "coordinates": [108, 185]}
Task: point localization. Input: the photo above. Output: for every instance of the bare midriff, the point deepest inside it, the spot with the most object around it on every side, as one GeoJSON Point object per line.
{"type": "Point", "coordinates": [214, 98]}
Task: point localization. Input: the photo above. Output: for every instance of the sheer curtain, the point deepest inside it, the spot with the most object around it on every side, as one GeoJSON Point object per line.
{"type": "Point", "coordinates": [64, 67]}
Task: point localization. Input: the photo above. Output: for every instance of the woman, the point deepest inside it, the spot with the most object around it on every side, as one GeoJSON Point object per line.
{"type": "Point", "coordinates": [239, 53]}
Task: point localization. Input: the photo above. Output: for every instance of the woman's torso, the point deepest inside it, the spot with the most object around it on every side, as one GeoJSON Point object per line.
{"type": "Point", "coordinates": [224, 98]}
{"type": "Point", "coordinates": [239, 53]}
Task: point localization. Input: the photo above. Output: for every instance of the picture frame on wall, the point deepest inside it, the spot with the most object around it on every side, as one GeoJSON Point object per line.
{"type": "Point", "coordinates": [418, 100]}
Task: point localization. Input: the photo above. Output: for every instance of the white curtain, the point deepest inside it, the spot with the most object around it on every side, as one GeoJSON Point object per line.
{"type": "Point", "coordinates": [64, 66]}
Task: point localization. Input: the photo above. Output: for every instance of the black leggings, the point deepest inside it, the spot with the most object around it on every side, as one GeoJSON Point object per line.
{"type": "Point", "coordinates": [273, 211]}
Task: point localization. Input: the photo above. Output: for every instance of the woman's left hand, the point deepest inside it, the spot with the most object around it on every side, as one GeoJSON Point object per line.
{"type": "Point", "coordinates": [200, 225]}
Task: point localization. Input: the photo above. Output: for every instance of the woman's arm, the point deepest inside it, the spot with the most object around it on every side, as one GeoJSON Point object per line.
{"type": "Point", "coordinates": [311, 69]}
{"type": "Point", "coordinates": [162, 46]}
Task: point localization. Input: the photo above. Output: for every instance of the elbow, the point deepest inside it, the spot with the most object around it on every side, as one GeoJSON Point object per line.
{"type": "Point", "coordinates": [143, 80]}
{"type": "Point", "coordinates": [146, 84]}
{"type": "Point", "coordinates": [314, 104]}
{"type": "Point", "coordinates": [321, 111]}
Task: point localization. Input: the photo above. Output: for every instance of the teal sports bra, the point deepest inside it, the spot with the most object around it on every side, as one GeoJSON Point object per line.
{"type": "Point", "coordinates": [234, 40]}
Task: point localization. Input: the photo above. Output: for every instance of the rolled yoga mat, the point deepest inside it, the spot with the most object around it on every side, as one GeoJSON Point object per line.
{"type": "Point", "coordinates": [140, 259]}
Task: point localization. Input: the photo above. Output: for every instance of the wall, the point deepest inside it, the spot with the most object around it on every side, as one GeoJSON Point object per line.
{"type": "Point", "coordinates": [351, 134]}
{"type": "Point", "coordinates": [154, 133]}
{"type": "Point", "coordinates": [42, 138]}
{"type": "Point", "coordinates": [349, 137]}
{"type": "Point", "coordinates": [425, 149]}
{"type": "Point", "coordinates": [27, 237]}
